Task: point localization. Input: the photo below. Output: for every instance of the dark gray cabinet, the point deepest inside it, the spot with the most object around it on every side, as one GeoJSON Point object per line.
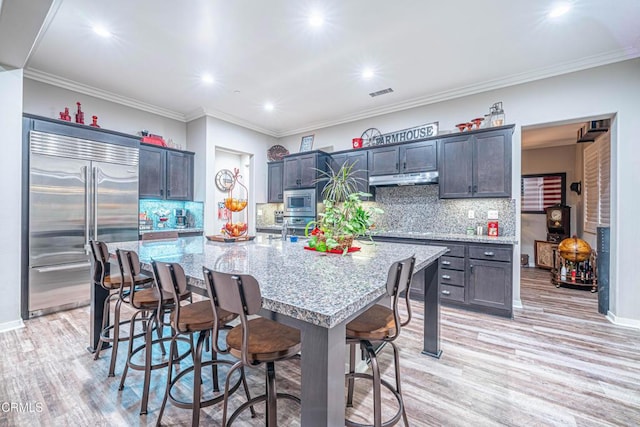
{"type": "Point", "coordinates": [407, 158]}
{"type": "Point", "coordinates": [275, 176]}
{"type": "Point", "coordinates": [165, 173]}
{"type": "Point", "coordinates": [476, 164]}
{"type": "Point", "coordinates": [301, 170]}
{"type": "Point", "coordinates": [490, 277]}
{"type": "Point", "coordinates": [359, 160]}
{"type": "Point", "coordinates": [472, 276]}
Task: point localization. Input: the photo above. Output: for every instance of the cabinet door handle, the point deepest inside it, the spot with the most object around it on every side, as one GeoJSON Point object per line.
{"type": "Point", "coordinates": [397, 166]}
{"type": "Point", "coordinates": [161, 192]}
{"type": "Point", "coordinates": [446, 277]}
{"type": "Point", "coordinates": [469, 190]}
{"type": "Point", "coordinates": [445, 292]}
{"type": "Point", "coordinates": [489, 254]}
{"type": "Point", "coordinates": [279, 196]}
{"type": "Point", "coordinates": [471, 267]}
{"type": "Point", "coordinates": [168, 193]}
{"type": "Point", "coordinates": [446, 263]}
{"type": "Point", "coordinates": [475, 188]}
{"type": "Point", "coordinates": [404, 165]}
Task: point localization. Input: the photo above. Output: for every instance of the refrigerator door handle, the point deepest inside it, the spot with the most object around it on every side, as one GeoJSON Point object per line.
{"type": "Point", "coordinates": [95, 202]}
{"type": "Point", "coordinates": [76, 266]}
{"type": "Point", "coordinates": [87, 208]}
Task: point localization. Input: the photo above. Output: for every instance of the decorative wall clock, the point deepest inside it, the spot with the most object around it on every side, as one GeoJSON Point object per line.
{"type": "Point", "coordinates": [224, 180]}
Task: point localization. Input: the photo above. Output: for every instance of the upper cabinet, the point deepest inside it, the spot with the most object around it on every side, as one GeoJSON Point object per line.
{"type": "Point", "coordinates": [165, 173]}
{"type": "Point", "coordinates": [301, 170]}
{"type": "Point", "coordinates": [359, 161]}
{"type": "Point", "coordinates": [406, 158]}
{"type": "Point", "coordinates": [275, 176]}
{"type": "Point", "coordinates": [477, 164]}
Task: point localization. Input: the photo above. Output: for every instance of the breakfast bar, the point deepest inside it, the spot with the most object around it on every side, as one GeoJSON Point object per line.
{"type": "Point", "coordinates": [316, 292]}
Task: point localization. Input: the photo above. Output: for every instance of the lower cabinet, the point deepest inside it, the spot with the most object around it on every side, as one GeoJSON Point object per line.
{"type": "Point", "coordinates": [471, 276]}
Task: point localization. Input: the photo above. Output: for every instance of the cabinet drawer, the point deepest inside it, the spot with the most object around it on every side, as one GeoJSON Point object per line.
{"type": "Point", "coordinates": [452, 277]}
{"type": "Point", "coordinates": [455, 250]}
{"type": "Point", "coordinates": [451, 263]}
{"type": "Point", "coordinates": [453, 293]}
{"type": "Point", "coordinates": [490, 253]}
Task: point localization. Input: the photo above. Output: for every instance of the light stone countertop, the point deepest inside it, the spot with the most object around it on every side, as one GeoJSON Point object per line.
{"type": "Point", "coordinates": [505, 240]}
{"type": "Point", "coordinates": [319, 288]}
{"type": "Point", "coordinates": [179, 230]}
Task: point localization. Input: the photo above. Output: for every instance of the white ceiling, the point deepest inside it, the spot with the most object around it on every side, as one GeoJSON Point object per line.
{"type": "Point", "coordinates": [261, 51]}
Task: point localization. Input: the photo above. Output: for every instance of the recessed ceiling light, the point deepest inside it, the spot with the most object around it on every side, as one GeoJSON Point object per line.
{"type": "Point", "coordinates": [367, 73]}
{"type": "Point", "coordinates": [316, 19]}
{"type": "Point", "coordinates": [559, 10]}
{"type": "Point", "coordinates": [207, 78]}
{"type": "Point", "coordinates": [102, 31]}
{"type": "Point", "coordinates": [268, 106]}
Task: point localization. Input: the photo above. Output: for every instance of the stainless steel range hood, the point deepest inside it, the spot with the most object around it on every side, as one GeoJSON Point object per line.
{"type": "Point", "coordinates": [404, 179]}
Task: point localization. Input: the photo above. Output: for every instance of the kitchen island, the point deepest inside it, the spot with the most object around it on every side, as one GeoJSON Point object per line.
{"type": "Point", "coordinates": [316, 292]}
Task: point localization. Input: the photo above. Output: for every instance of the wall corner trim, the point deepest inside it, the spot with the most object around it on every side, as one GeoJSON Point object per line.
{"type": "Point", "coordinates": [623, 321]}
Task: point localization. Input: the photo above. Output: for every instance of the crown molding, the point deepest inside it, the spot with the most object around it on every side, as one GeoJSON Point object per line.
{"type": "Point", "coordinates": [53, 80]}
{"type": "Point", "coordinates": [620, 55]}
{"type": "Point", "coordinates": [205, 112]}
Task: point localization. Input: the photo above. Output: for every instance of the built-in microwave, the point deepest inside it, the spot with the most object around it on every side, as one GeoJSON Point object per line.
{"type": "Point", "coordinates": [300, 202]}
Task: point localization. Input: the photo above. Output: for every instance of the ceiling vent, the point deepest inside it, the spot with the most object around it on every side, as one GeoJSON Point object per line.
{"type": "Point", "coordinates": [381, 92]}
{"type": "Point", "coordinates": [594, 128]}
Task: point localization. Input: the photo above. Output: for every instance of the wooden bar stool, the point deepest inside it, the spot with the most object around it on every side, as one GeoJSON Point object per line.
{"type": "Point", "coordinates": [254, 341]}
{"type": "Point", "coordinates": [188, 320]}
{"type": "Point", "coordinates": [149, 307]}
{"type": "Point", "coordinates": [380, 324]}
{"type": "Point", "coordinates": [112, 283]}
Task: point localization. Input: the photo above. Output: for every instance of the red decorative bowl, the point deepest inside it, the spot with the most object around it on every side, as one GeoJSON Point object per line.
{"type": "Point", "coordinates": [461, 126]}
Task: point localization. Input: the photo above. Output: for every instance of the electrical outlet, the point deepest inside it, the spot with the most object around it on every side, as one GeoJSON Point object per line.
{"type": "Point", "coordinates": [472, 214]}
{"type": "Point", "coordinates": [259, 212]}
{"type": "Point", "coordinates": [492, 214]}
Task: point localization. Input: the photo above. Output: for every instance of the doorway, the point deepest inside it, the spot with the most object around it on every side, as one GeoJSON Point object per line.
{"type": "Point", "coordinates": [554, 153]}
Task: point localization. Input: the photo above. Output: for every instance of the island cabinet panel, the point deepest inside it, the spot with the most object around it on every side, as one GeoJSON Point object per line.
{"type": "Point", "coordinates": [275, 182]}
{"type": "Point", "coordinates": [359, 160]}
{"type": "Point", "coordinates": [165, 173]}
{"type": "Point", "coordinates": [477, 164]}
{"type": "Point", "coordinates": [301, 170]}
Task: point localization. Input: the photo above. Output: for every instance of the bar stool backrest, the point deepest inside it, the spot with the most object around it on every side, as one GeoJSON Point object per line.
{"type": "Point", "coordinates": [100, 261]}
{"type": "Point", "coordinates": [172, 282]}
{"type": "Point", "coordinates": [398, 281]}
{"type": "Point", "coordinates": [238, 294]}
{"type": "Point", "coordinates": [129, 268]}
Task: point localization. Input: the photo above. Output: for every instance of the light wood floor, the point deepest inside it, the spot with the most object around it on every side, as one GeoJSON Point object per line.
{"type": "Point", "coordinates": [558, 362]}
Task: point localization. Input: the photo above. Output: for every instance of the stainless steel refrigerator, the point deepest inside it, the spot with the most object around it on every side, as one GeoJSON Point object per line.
{"type": "Point", "coordinates": [78, 190]}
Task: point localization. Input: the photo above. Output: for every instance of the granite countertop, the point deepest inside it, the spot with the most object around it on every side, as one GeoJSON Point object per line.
{"type": "Point", "coordinates": [179, 230]}
{"type": "Point", "coordinates": [506, 240]}
{"type": "Point", "coordinates": [319, 288]}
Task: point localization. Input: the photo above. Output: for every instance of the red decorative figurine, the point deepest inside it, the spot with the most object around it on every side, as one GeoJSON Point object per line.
{"type": "Point", "coordinates": [79, 115]}
{"type": "Point", "coordinates": [65, 115]}
{"type": "Point", "coordinates": [95, 122]}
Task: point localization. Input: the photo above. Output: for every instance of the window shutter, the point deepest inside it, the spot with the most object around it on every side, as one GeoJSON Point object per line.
{"type": "Point", "coordinates": [597, 200]}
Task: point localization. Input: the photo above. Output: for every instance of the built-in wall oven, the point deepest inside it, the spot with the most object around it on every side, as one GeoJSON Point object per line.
{"type": "Point", "coordinates": [299, 207]}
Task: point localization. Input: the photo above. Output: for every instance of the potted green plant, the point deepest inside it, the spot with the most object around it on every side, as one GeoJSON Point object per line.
{"type": "Point", "coordinates": [345, 218]}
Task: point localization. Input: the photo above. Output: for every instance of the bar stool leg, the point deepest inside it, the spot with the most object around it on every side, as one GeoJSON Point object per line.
{"type": "Point", "coordinates": [173, 352]}
{"type": "Point", "coordinates": [396, 358]}
{"type": "Point", "coordinates": [197, 379]}
{"type": "Point", "coordinates": [271, 413]}
{"type": "Point", "coordinates": [148, 336]}
{"type": "Point", "coordinates": [352, 370]}
{"type": "Point", "coordinates": [377, 402]}
{"type": "Point", "coordinates": [116, 338]}
{"type": "Point", "coordinates": [130, 350]}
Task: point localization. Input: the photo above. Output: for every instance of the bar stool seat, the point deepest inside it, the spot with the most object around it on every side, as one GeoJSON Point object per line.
{"type": "Point", "coordinates": [380, 324]}
{"type": "Point", "coordinates": [268, 340]}
{"type": "Point", "coordinates": [198, 316]}
{"type": "Point", "coordinates": [376, 323]}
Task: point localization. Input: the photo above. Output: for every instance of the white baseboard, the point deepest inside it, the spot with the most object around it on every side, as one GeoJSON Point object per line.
{"type": "Point", "coordinates": [517, 303]}
{"type": "Point", "coordinates": [9, 326]}
{"type": "Point", "coordinates": [623, 321]}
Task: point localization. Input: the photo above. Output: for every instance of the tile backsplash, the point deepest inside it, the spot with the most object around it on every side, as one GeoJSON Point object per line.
{"type": "Point", "coordinates": [418, 209]}
{"type": "Point", "coordinates": [267, 218]}
{"type": "Point", "coordinates": [195, 212]}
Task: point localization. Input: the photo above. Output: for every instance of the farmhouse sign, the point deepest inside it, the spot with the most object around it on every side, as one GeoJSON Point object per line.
{"type": "Point", "coordinates": [408, 135]}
